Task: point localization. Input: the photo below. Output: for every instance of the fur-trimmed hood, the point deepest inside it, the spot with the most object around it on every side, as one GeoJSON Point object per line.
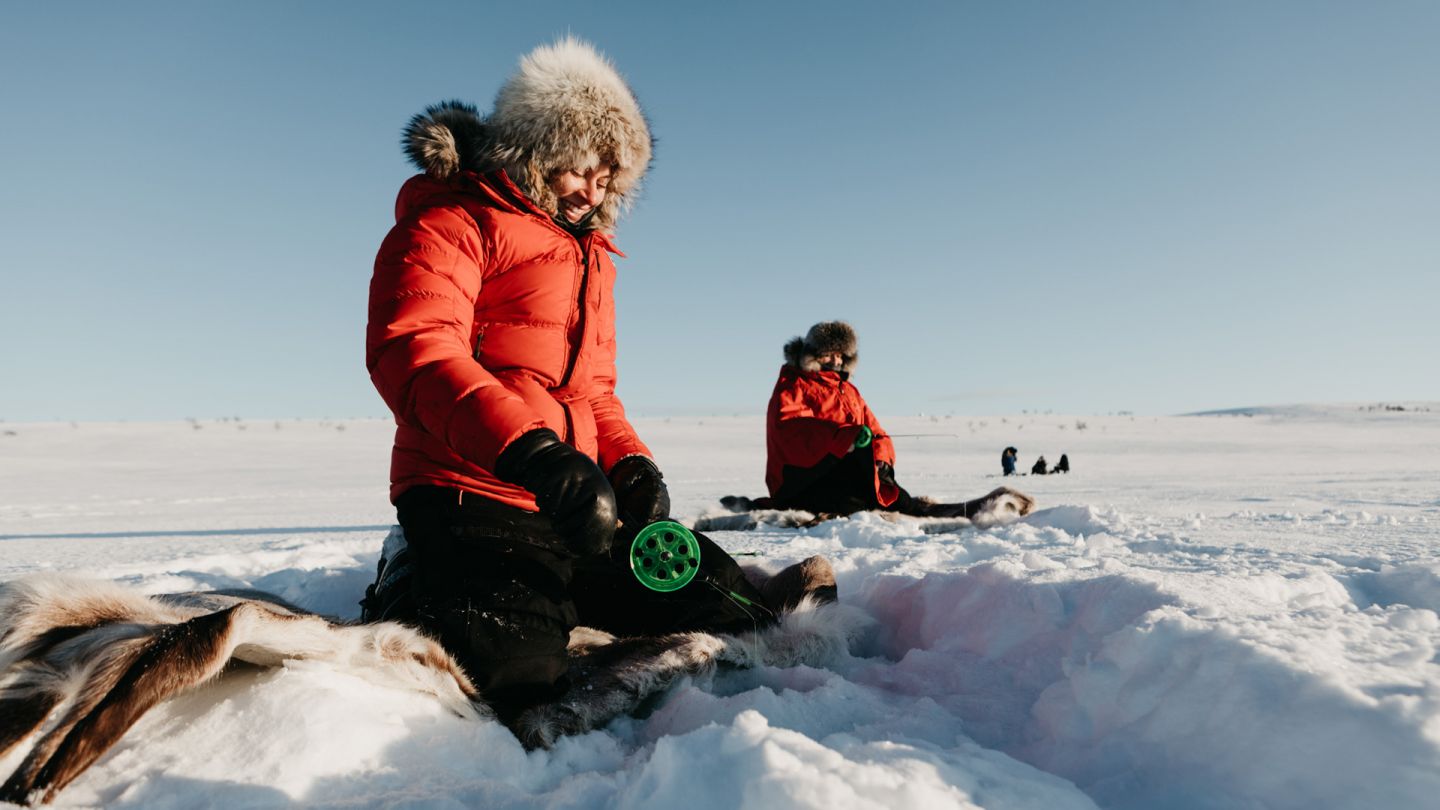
{"type": "Point", "coordinates": [824, 338]}
{"type": "Point", "coordinates": [566, 107]}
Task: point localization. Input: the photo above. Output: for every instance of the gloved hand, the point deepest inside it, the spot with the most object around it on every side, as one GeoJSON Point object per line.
{"type": "Point", "coordinates": [568, 487]}
{"type": "Point", "coordinates": [640, 491]}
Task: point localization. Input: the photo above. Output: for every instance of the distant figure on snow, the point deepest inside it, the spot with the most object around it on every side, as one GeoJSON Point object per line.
{"type": "Point", "coordinates": [1039, 468]}
{"type": "Point", "coordinates": [1063, 465]}
{"type": "Point", "coordinates": [1007, 460]}
{"type": "Point", "coordinates": [826, 451]}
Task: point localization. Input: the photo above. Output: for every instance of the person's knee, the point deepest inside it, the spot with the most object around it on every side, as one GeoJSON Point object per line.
{"type": "Point", "coordinates": [508, 627]}
{"type": "Point", "coordinates": [505, 652]}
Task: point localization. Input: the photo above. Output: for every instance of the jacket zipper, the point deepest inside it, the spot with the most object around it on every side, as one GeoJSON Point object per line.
{"type": "Point", "coordinates": [580, 341]}
{"type": "Point", "coordinates": [479, 337]}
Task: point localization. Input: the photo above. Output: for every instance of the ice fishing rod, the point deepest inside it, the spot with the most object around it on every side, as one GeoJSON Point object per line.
{"type": "Point", "coordinates": [866, 436]}
{"type": "Point", "coordinates": [665, 557]}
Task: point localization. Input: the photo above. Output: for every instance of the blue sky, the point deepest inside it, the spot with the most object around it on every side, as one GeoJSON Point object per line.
{"type": "Point", "coordinates": [1155, 207]}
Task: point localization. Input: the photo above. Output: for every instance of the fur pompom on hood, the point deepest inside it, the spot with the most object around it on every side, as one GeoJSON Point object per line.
{"type": "Point", "coordinates": [447, 138]}
{"type": "Point", "coordinates": [824, 338]}
{"type": "Point", "coordinates": [566, 107]}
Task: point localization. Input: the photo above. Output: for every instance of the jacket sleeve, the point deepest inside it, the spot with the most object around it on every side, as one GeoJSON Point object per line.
{"type": "Point", "coordinates": [614, 435]}
{"type": "Point", "coordinates": [882, 450]}
{"type": "Point", "coordinates": [884, 447]}
{"type": "Point", "coordinates": [804, 436]}
{"type": "Point", "coordinates": [417, 341]}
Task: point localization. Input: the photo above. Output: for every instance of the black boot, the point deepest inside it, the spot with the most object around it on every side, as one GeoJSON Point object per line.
{"type": "Point", "coordinates": [388, 598]}
{"type": "Point", "coordinates": [812, 577]}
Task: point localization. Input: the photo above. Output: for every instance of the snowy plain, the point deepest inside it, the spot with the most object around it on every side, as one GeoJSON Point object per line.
{"type": "Point", "coordinates": [1222, 611]}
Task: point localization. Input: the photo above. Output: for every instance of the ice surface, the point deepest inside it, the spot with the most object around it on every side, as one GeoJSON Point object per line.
{"type": "Point", "coordinates": [1230, 610]}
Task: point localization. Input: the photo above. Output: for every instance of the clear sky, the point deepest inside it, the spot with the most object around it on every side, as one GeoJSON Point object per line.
{"type": "Point", "coordinates": [1155, 207]}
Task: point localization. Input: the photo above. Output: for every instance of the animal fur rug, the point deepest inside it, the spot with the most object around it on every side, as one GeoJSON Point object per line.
{"type": "Point", "coordinates": [743, 514]}
{"type": "Point", "coordinates": [800, 519]}
{"type": "Point", "coordinates": [82, 660]}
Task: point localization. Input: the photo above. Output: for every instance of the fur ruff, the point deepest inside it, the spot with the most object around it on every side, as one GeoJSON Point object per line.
{"type": "Point", "coordinates": [825, 337]}
{"type": "Point", "coordinates": [566, 107]}
{"type": "Point", "coordinates": [92, 657]}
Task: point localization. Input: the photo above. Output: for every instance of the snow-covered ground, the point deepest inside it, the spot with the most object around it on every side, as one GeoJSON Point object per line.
{"type": "Point", "coordinates": [1210, 612]}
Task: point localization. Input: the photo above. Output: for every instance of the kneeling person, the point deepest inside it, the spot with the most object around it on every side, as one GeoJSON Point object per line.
{"type": "Point", "coordinates": [492, 339]}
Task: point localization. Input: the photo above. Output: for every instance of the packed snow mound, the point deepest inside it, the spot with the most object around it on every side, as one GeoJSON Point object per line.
{"type": "Point", "coordinates": [1111, 684]}
{"type": "Point", "coordinates": [1415, 586]}
{"type": "Point", "coordinates": [1077, 520]}
{"type": "Point", "coordinates": [783, 768]}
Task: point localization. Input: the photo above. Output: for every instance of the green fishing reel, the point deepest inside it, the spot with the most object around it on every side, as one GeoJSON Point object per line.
{"type": "Point", "coordinates": [665, 556]}
{"type": "Point", "coordinates": [862, 439]}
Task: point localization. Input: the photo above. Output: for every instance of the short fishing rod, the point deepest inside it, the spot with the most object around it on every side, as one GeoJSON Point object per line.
{"type": "Point", "coordinates": [866, 436]}
{"type": "Point", "coordinates": [665, 557]}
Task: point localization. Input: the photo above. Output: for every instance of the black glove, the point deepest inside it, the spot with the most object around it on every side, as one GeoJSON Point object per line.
{"type": "Point", "coordinates": [568, 486]}
{"type": "Point", "coordinates": [640, 491]}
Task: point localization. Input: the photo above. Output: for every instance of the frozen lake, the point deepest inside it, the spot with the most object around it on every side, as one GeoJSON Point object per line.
{"type": "Point", "coordinates": [1209, 611]}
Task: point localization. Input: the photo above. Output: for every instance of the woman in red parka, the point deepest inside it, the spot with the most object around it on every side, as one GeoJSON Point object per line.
{"type": "Point", "coordinates": [491, 337]}
{"type": "Point", "coordinates": [825, 450]}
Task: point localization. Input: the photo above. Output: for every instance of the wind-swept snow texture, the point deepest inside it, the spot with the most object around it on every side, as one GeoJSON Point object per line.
{"type": "Point", "coordinates": [1221, 611]}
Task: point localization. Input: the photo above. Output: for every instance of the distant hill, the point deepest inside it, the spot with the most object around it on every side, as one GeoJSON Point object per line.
{"type": "Point", "coordinates": [1326, 410]}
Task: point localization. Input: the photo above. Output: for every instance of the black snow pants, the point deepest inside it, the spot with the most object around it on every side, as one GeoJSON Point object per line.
{"type": "Point", "coordinates": [847, 485]}
{"type": "Point", "coordinates": [501, 591]}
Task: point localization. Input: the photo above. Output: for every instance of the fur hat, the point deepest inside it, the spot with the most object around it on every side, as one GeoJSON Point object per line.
{"type": "Point", "coordinates": [826, 337]}
{"type": "Point", "coordinates": [566, 107]}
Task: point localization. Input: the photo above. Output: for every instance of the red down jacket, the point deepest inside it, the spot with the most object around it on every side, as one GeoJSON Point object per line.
{"type": "Point", "coordinates": [487, 320]}
{"type": "Point", "coordinates": [813, 414]}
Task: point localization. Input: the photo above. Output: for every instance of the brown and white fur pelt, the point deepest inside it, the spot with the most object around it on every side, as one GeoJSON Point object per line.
{"type": "Point", "coordinates": [1002, 505]}
{"type": "Point", "coordinates": [103, 655]}
{"type": "Point", "coordinates": [92, 657]}
{"type": "Point", "coordinates": [617, 674]}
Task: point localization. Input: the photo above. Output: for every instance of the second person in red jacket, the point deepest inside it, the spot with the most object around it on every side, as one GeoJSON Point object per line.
{"type": "Point", "coordinates": [825, 450]}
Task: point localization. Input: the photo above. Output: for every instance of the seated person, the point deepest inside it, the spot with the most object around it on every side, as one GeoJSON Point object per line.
{"type": "Point", "coordinates": [1039, 468]}
{"type": "Point", "coordinates": [826, 451]}
{"type": "Point", "coordinates": [1063, 465]}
